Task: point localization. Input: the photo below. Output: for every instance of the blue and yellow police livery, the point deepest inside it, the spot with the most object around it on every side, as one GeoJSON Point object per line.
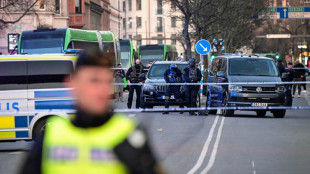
{"type": "Point", "coordinates": [31, 89]}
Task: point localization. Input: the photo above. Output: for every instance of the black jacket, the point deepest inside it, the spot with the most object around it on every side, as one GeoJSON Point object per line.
{"type": "Point", "coordinates": [138, 160]}
{"type": "Point", "coordinates": [139, 70]}
{"type": "Point", "coordinates": [187, 78]}
{"type": "Point", "coordinates": [178, 74]}
{"type": "Point", "coordinates": [299, 70]}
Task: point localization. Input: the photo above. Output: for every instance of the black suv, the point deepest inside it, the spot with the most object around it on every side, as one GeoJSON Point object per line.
{"type": "Point", "coordinates": [243, 69]}
{"type": "Point", "coordinates": [153, 94]}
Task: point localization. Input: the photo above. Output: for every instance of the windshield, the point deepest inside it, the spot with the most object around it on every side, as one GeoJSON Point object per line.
{"type": "Point", "coordinates": [147, 55]}
{"type": "Point", "coordinates": [42, 45]}
{"type": "Point", "coordinates": [158, 70]}
{"type": "Point", "coordinates": [252, 67]}
{"type": "Point", "coordinates": [125, 55]}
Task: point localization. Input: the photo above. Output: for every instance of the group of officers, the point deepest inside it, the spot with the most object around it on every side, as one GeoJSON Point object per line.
{"type": "Point", "coordinates": [173, 74]}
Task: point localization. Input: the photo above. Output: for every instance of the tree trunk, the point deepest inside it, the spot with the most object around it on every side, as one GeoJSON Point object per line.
{"type": "Point", "coordinates": [187, 38]}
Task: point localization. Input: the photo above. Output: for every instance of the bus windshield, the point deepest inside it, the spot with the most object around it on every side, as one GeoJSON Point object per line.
{"type": "Point", "coordinates": [153, 54]}
{"type": "Point", "coordinates": [125, 54]}
{"type": "Point", "coordinates": [252, 67]}
{"type": "Point", "coordinates": [42, 45]}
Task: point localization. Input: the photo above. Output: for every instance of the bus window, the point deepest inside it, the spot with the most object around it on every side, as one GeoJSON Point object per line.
{"type": "Point", "coordinates": [152, 54]}
{"type": "Point", "coordinates": [41, 77]}
{"type": "Point", "coordinates": [87, 46]}
{"type": "Point", "coordinates": [42, 45]}
{"type": "Point", "coordinates": [13, 75]}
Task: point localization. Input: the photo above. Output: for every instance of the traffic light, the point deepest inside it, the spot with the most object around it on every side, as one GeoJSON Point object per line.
{"type": "Point", "coordinates": [277, 56]}
{"type": "Point", "coordinates": [212, 57]}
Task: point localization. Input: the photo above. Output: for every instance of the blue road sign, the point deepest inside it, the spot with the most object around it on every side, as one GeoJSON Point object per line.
{"type": "Point", "coordinates": [203, 47]}
{"type": "Point", "coordinates": [289, 12]}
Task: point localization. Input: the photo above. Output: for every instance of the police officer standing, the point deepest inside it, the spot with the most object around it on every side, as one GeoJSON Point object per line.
{"type": "Point", "coordinates": [173, 75]}
{"type": "Point", "coordinates": [135, 74]}
{"type": "Point", "coordinates": [96, 140]}
{"type": "Point", "coordinates": [288, 77]}
{"type": "Point", "coordinates": [191, 75]}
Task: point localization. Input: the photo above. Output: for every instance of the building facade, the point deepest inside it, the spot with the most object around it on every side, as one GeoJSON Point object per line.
{"type": "Point", "coordinates": [90, 14]}
{"type": "Point", "coordinates": [151, 22]}
{"type": "Point", "coordinates": [46, 14]}
{"type": "Point", "coordinates": [116, 17]}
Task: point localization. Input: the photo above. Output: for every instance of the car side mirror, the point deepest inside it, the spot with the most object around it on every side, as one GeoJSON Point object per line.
{"type": "Point", "coordinates": [220, 74]}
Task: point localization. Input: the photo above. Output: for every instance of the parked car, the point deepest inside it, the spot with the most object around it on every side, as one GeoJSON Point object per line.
{"type": "Point", "coordinates": [234, 69]}
{"type": "Point", "coordinates": [154, 94]}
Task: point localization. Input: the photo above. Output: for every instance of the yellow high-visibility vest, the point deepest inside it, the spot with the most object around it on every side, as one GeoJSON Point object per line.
{"type": "Point", "coordinates": [69, 149]}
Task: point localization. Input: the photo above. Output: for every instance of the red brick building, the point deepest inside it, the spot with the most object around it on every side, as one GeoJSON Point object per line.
{"type": "Point", "coordinates": [89, 14]}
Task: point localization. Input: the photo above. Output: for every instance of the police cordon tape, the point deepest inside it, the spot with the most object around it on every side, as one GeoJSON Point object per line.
{"type": "Point", "coordinates": [249, 108]}
{"type": "Point", "coordinates": [231, 83]}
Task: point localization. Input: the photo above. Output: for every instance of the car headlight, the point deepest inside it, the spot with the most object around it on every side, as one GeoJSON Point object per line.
{"type": "Point", "coordinates": [235, 88]}
{"type": "Point", "coordinates": [148, 87]}
{"type": "Point", "coordinates": [280, 89]}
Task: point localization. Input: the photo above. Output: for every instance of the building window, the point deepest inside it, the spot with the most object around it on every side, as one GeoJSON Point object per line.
{"type": "Point", "coordinates": [160, 38]}
{"type": "Point", "coordinates": [173, 22]}
{"type": "Point", "coordinates": [124, 23]}
{"type": "Point", "coordinates": [139, 22]}
{"type": "Point", "coordinates": [159, 7]}
{"type": "Point", "coordinates": [130, 22]}
{"type": "Point", "coordinates": [304, 1]}
{"type": "Point", "coordinates": [138, 38]}
{"type": "Point", "coordinates": [78, 6]}
{"type": "Point", "coordinates": [57, 6]}
{"type": "Point", "coordinates": [124, 6]}
{"type": "Point", "coordinates": [129, 5]}
{"type": "Point", "coordinates": [139, 5]}
{"type": "Point", "coordinates": [159, 24]}
{"type": "Point", "coordinates": [41, 3]}
{"type": "Point", "coordinates": [173, 39]}
{"type": "Point", "coordinates": [173, 6]}
{"type": "Point", "coordinates": [279, 3]}
{"type": "Point", "coordinates": [124, 36]}
{"type": "Point", "coordinates": [130, 36]}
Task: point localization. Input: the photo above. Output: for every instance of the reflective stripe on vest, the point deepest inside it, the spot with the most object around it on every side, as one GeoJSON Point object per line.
{"type": "Point", "coordinates": [69, 149]}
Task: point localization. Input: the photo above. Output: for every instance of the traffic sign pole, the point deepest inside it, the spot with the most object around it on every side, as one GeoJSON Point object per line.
{"type": "Point", "coordinates": [203, 47]}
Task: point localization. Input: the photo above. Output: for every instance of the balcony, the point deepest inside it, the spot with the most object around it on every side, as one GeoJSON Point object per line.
{"type": "Point", "coordinates": [76, 20]}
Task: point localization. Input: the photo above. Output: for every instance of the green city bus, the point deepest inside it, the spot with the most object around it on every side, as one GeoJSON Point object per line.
{"type": "Point", "coordinates": [126, 49]}
{"type": "Point", "coordinates": [159, 52]}
{"type": "Point", "coordinates": [57, 40]}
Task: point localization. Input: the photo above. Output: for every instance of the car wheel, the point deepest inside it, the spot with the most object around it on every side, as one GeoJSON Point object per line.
{"type": "Point", "coordinates": [209, 105]}
{"type": "Point", "coordinates": [279, 113]}
{"type": "Point", "coordinates": [39, 129]}
{"type": "Point", "coordinates": [261, 113]}
{"type": "Point", "coordinates": [226, 112]}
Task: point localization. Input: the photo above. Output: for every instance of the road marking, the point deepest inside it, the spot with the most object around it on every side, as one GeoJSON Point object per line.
{"type": "Point", "coordinates": [15, 153]}
{"type": "Point", "coordinates": [253, 164]}
{"type": "Point", "coordinates": [131, 115]}
{"type": "Point", "coordinates": [215, 148]}
{"type": "Point", "coordinates": [205, 148]}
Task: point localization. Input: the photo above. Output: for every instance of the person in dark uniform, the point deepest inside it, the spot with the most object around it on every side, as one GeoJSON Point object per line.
{"type": "Point", "coordinates": [96, 140]}
{"type": "Point", "coordinates": [288, 77]}
{"type": "Point", "coordinates": [135, 74]}
{"type": "Point", "coordinates": [191, 75]}
{"type": "Point", "coordinates": [173, 75]}
{"type": "Point", "coordinates": [281, 67]}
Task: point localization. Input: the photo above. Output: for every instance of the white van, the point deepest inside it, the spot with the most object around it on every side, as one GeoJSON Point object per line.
{"type": "Point", "coordinates": [32, 83]}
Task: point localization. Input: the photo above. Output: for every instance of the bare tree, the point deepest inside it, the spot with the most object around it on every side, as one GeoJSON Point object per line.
{"type": "Point", "coordinates": [12, 11]}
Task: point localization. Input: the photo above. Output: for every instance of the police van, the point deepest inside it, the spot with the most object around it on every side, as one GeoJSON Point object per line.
{"type": "Point", "coordinates": [32, 88]}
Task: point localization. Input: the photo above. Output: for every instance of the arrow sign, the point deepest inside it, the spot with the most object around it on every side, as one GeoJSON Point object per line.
{"type": "Point", "coordinates": [203, 47]}
{"type": "Point", "coordinates": [285, 10]}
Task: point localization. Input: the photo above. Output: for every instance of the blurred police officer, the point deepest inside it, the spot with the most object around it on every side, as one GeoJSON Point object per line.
{"type": "Point", "coordinates": [191, 75]}
{"type": "Point", "coordinates": [173, 75]}
{"type": "Point", "coordinates": [288, 76]}
{"type": "Point", "coordinates": [119, 75]}
{"type": "Point", "coordinates": [97, 140]}
{"type": "Point", "coordinates": [135, 75]}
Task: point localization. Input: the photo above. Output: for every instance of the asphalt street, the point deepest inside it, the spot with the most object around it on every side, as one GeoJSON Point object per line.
{"type": "Point", "coordinates": [241, 144]}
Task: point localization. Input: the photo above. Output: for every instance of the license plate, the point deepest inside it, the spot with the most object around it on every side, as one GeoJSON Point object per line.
{"type": "Point", "coordinates": [260, 104]}
{"type": "Point", "coordinates": [163, 97]}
